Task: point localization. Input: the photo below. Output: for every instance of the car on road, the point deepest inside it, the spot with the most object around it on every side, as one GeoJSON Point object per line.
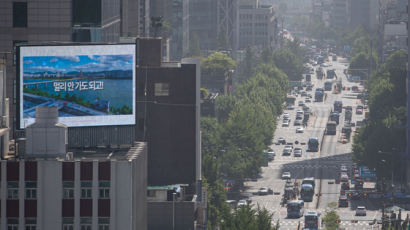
{"type": "Point", "coordinates": [343, 201]}
{"type": "Point", "coordinates": [271, 152]}
{"type": "Point", "coordinates": [287, 151]}
{"type": "Point", "coordinates": [241, 203]}
{"type": "Point", "coordinates": [301, 103]}
{"type": "Point", "coordinates": [303, 94]}
{"type": "Point", "coordinates": [306, 109]}
{"type": "Point", "coordinates": [286, 175]}
{"type": "Point", "coordinates": [263, 191]}
{"type": "Point", "coordinates": [285, 123]}
{"type": "Point", "coordinates": [297, 122]}
{"type": "Point", "coordinates": [286, 116]}
{"type": "Point", "coordinates": [307, 100]}
{"type": "Point", "coordinates": [290, 107]}
{"type": "Point", "coordinates": [299, 130]}
{"type": "Point", "coordinates": [361, 211]}
{"type": "Point", "coordinates": [281, 140]}
{"type": "Point", "coordinates": [297, 152]}
{"type": "Point", "coordinates": [359, 109]}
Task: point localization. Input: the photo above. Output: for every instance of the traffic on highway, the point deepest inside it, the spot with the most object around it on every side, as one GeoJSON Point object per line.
{"type": "Point", "coordinates": [310, 169]}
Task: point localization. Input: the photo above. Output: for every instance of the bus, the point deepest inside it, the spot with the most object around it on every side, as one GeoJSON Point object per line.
{"type": "Point", "coordinates": [331, 128]}
{"type": "Point", "coordinates": [309, 180]}
{"type": "Point", "coordinates": [338, 106]}
{"type": "Point", "coordinates": [313, 144]}
{"type": "Point", "coordinates": [306, 192]}
{"type": "Point", "coordinates": [312, 220]}
{"type": "Point", "coordinates": [295, 208]}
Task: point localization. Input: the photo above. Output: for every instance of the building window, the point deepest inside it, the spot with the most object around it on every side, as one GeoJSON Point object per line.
{"type": "Point", "coordinates": [68, 223]}
{"type": "Point", "coordinates": [12, 224]}
{"type": "Point", "coordinates": [85, 223]}
{"type": "Point", "coordinates": [31, 190]}
{"type": "Point", "coordinates": [13, 190]}
{"type": "Point", "coordinates": [86, 189]}
{"type": "Point", "coordinates": [19, 14]}
{"type": "Point", "coordinates": [31, 224]}
{"type": "Point", "coordinates": [161, 89]}
{"type": "Point", "coordinates": [104, 190]}
{"type": "Point", "coordinates": [68, 190]}
{"type": "Point", "coordinates": [103, 223]}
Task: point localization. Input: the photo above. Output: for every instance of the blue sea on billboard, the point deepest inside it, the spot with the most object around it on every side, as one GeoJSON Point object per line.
{"type": "Point", "coordinates": [78, 85]}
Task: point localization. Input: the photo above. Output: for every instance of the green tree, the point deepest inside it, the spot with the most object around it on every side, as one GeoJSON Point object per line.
{"type": "Point", "coordinates": [385, 130]}
{"type": "Point", "coordinates": [223, 106]}
{"type": "Point", "coordinates": [247, 66]}
{"type": "Point", "coordinates": [289, 63]}
{"type": "Point", "coordinates": [331, 220]}
{"type": "Point", "coordinates": [194, 47]}
{"type": "Point", "coordinates": [217, 64]}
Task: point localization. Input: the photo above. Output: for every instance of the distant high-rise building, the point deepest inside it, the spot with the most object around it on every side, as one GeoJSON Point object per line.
{"type": "Point", "coordinates": [211, 20]}
{"type": "Point", "coordinates": [175, 14]}
{"type": "Point", "coordinates": [339, 14]}
{"type": "Point", "coordinates": [256, 26]}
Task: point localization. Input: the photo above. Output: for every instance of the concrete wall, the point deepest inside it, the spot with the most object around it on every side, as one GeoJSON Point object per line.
{"type": "Point", "coordinates": [160, 215]}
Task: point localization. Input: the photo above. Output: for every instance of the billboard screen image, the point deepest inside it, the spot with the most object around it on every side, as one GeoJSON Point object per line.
{"type": "Point", "coordinates": [90, 85]}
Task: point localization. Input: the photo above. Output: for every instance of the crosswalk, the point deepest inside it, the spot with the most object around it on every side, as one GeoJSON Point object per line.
{"type": "Point", "coordinates": [288, 224]}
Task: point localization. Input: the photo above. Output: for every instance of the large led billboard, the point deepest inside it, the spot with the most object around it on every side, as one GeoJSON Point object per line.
{"type": "Point", "coordinates": [92, 85]}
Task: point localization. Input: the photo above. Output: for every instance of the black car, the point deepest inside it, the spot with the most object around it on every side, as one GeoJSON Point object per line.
{"type": "Point", "coordinates": [343, 201]}
{"type": "Point", "coordinates": [282, 140]}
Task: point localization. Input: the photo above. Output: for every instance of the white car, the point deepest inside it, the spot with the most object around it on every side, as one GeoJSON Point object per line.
{"type": "Point", "coordinates": [263, 191]}
{"type": "Point", "coordinates": [286, 175]}
{"type": "Point", "coordinates": [297, 152]}
{"type": "Point", "coordinates": [361, 211]}
{"type": "Point", "coordinates": [242, 203]}
{"type": "Point", "coordinates": [299, 130]}
{"type": "Point", "coordinates": [285, 123]}
{"type": "Point", "coordinates": [301, 103]}
{"type": "Point", "coordinates": [271, 152]}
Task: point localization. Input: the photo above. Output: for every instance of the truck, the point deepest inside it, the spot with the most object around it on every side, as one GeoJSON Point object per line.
{"type": "Point", "coordinates": [328, 86]}
{"type": "Point", "coordinates": [319, 93]}
{"type": "Point", "coordinates": [313, 144]}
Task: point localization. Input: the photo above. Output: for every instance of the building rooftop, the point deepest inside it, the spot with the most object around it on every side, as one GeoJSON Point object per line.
{"type": "Point", "coordinates": [121, 153]}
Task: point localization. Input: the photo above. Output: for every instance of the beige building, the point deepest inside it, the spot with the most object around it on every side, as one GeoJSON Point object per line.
{"type": "Point", "coordinates": [256, 26]}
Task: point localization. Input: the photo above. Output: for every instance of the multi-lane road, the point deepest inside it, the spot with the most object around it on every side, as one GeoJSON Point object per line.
{"type": "Point", "coordinates": [323, 165]}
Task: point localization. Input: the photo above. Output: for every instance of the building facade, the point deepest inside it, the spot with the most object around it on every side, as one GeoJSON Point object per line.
{"type": "Point", "coordinates": [339, 14]}
{"type": "Point", "coordinates": [175, 13]}
{"type": "Point", "coordinates": [87, 192]}
{"type": "Point", "coordinates": [256, 27]}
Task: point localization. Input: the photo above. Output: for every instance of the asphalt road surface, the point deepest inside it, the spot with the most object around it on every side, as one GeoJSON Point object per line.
{"type": "Point", "coordinates": [323, 165]}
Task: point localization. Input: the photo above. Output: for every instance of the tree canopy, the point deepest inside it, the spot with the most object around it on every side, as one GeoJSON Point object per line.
{"type": "Point", "coordinates": [383, 139]}
{"type": "Point", "coordinates": [217, 64]}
